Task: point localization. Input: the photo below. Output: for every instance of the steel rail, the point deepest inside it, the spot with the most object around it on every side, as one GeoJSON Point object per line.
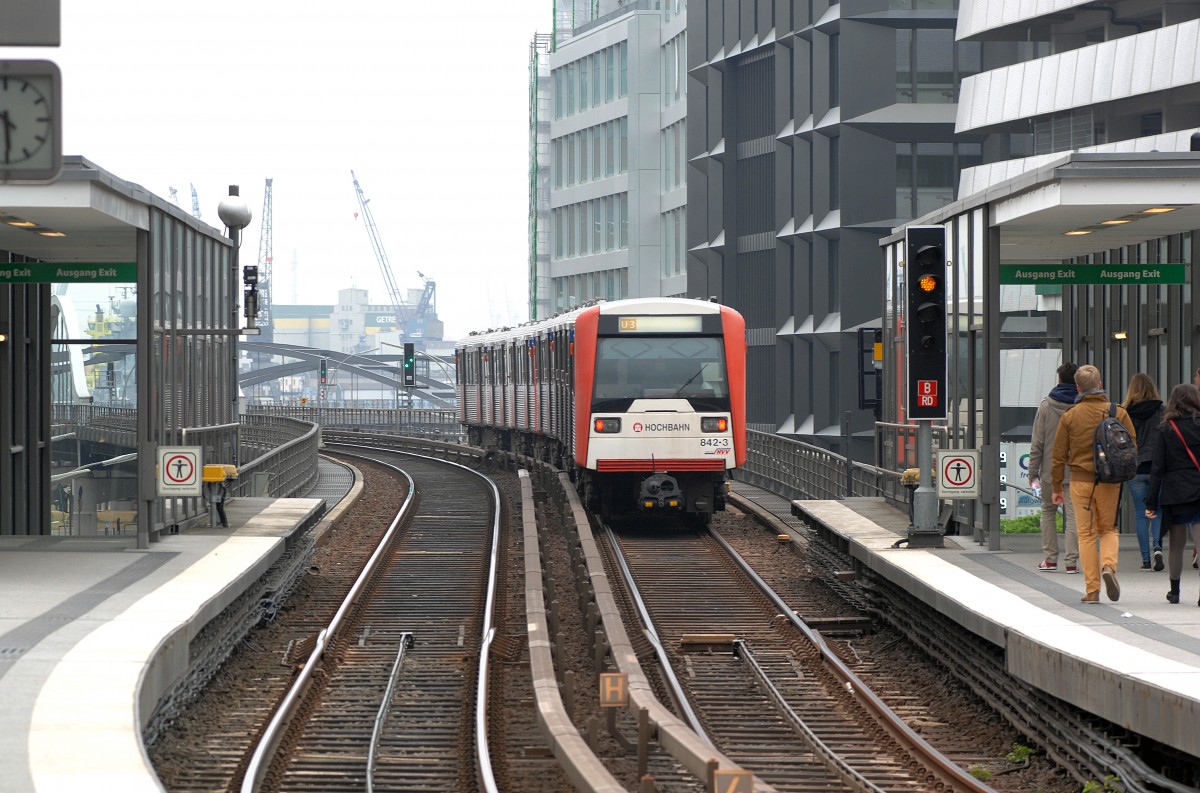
{"type": "Point", "coordinates": [486, 775]}
{"type": "Point", "coordinates": [484, 771]}
{"type": "Point", "coordinates": [406, 642]}
{"type": "Point", "coordinates": [651, 633]}
{"type": "Point", "coordinates": [944, 768]}
{"type": "Point", "coordinates": [829, 757]}
{"type": "Point", "coordinates": [264, 753]}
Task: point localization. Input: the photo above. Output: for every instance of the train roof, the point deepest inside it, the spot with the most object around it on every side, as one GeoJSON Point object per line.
{"type": "Point", "coordinates": [645, 305]}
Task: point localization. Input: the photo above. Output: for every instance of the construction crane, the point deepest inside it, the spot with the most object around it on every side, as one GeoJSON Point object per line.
{"type": "Point", "coordinates": [195, 202]}
{"type": "Point", "coordinates": [174, 195]}
{"type": "Point", "coordinates": [428, 297]}
{"type": "Point", "coordinates": [381, 256]}
{"type": "Point", "coordinates": [266, 258]}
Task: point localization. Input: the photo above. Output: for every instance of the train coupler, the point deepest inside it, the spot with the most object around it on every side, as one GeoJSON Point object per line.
{"type": "Point", "coordinates": [660, 491]}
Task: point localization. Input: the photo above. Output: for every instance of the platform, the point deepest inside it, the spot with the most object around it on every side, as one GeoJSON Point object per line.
{"type": "Point", "coordinates": [94, 632]}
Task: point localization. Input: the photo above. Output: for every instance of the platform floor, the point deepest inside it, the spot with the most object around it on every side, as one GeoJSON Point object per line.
{"type": "Point", "coordinates": [94, 630]}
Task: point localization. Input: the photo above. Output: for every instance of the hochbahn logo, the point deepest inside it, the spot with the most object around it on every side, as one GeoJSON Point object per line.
{"type": "Point", "coordinates": [661, 427]}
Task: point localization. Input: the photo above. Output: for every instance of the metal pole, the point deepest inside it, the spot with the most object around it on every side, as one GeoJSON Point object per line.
{"type": "Point", "coordinates": [925, 533]}
{"type": "Point", "coordinates": [149, 381]}
{"type": "Point", "coordinates": [235, 234]}
{"type": "Point", "coordinates": [846, 439]}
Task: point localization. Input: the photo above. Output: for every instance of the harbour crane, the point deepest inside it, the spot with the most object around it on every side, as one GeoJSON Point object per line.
{"type": "Point", "coordinates": [195, 202]}
{"type": "Point", "coordinates": [428, 297]}
{"type": "Point", "coordinates": [381, 256]}
{"type": "Point", "coordinates": [266, 259]}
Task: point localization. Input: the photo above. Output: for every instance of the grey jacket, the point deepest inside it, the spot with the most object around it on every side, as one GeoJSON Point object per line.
{"type": "Point", "coordinates": [1049, 412]}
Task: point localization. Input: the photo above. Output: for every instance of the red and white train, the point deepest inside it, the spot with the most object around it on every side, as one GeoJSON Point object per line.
{"type": "Point", "coordinates": [643, 401]}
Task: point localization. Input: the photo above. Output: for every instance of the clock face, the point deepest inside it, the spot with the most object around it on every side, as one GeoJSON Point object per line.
{"type": "Point", "coordinates": [26, 118]}
{"type": "Point", "coordinates": [30, 121]}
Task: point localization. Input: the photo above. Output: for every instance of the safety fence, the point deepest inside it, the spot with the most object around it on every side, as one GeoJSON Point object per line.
{"type": "Point", "coordinates": [416, 422]}
{"type": "Point", "coordinates": [797, 470]}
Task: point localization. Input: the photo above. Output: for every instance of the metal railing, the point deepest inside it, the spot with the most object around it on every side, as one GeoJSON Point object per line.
{"type": "Point", "coordinates": [283, 451]}
{"type": "Point", "coordinates": [797, 470]}
{"type": "Point", "coordinates": [442, 424]}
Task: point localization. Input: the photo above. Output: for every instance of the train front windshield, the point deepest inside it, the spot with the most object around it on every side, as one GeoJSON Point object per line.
{"type": "Point", "coordinates": [661, 367]}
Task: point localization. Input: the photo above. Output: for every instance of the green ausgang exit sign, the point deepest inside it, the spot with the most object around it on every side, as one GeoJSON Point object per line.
{"type": "Point", "coordinates": [74, 273]}
{"type": "Point", "coordinates": [1115, 274]}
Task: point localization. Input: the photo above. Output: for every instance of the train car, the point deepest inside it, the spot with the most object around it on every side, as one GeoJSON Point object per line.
{"type": "Point", "coordinates": [642, 401]}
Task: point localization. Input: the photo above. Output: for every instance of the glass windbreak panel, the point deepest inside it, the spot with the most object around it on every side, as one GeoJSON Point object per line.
{"type": "Point", "coordinates": [1031, 351]}
{"type": "Point", "coordinates": [93, 344]}
{"type": "Point", "coordinates": [661, 367]}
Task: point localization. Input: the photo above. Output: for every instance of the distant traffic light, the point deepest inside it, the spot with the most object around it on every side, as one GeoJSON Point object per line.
{"type": "Point", "coordinates": [410, 359]}
{"type": "Point", "coordinates": [926, 321]}
{"type": "Point", "coordinates": [324, 370]}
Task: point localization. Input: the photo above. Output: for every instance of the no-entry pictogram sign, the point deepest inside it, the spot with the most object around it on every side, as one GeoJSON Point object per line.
{"type": "Point", "coordinates": [179, 471]}
{"type": "Point", "coordinates": [958, 473]}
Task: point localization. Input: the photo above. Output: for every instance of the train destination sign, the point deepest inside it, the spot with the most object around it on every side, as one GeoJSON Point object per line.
{"type": "Point", "coordinates": [1116, 274]}
{"type": "Point", "coordinates": [69, 273]}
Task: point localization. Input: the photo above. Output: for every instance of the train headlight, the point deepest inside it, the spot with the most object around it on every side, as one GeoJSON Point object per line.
{"type": "Point", "coordinates": [714, 424]}
{"type": "Point", "coordinates": [607, 425]}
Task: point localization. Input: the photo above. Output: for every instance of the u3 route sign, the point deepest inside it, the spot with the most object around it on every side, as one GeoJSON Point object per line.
{"type": "Point", "coordinates": [958, 473]}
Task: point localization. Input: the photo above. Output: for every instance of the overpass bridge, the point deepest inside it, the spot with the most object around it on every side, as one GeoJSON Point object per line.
{"type": "Point", "coordinates": [434, 375]}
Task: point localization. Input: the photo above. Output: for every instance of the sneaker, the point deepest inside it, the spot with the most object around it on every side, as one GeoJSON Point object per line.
{"type": "Point", "coordinates": [1158, 562]}
{"type": "Point", "coordinates": [1072, 568]}
{"type": "Point", "coordinates": [1047, 565]}
{"type": "Point", "coordinates": [1091, 597]}
{"type": "Point", "coordinates": [1111, 587]}
{"type": "Point", "coordinates": [1146, 566]}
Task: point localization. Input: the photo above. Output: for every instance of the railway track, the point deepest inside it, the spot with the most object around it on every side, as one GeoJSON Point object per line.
{"type": "Point", "coordinates": [368, 720]}
{"type": "Point", "coordinates": [760, 688]}
{"type": "Point", "coordinates": [573, 603]}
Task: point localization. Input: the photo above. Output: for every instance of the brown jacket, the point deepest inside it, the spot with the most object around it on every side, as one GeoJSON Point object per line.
{"type": "Point", "coordinates": [1073, 440]}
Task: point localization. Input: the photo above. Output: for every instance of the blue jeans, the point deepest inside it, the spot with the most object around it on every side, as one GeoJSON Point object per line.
{"type": "Point", "coordinates": [1148, 531]}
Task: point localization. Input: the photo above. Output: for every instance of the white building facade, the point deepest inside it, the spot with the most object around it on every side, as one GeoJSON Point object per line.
{"type": "Point", "coordinates": [616, 156]}
{"type": "Point", "coordinates": [1114, 77]}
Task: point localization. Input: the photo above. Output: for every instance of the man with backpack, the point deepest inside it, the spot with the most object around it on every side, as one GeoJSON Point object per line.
{"type": "Point", "coordinates": [1100, 454]}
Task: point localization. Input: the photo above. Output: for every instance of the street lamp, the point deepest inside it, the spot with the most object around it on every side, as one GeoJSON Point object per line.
{"type": "Point", "coordinates": [235, 214]}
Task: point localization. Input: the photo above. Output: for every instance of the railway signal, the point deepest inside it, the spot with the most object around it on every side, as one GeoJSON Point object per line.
{"type": "Point", "coordinates": [926, 321]}
{"type": "Point", "coordinates": [410, 359]}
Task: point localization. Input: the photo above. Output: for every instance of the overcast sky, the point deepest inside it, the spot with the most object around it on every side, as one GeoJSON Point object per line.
{"type": "Point", "coordinates": [427, 102]}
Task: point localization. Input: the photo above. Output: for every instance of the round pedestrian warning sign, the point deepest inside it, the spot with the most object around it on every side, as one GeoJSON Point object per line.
{"type": "Point", "coordinates": [958, 473]}
{"type": "Point", "coordinates": [179, 471]}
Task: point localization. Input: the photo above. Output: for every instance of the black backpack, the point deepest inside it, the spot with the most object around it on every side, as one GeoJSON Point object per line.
{"type": "Point", "coordinates": [1114, 453]}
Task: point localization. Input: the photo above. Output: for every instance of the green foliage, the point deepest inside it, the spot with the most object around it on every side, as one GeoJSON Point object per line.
{"type": "Point", "coordinates": [1111, 784]}
{"type": "Point", "coordinates": [1027, 524]}
{"type": "Point", "coordinates": [1020, 754]}
{"type": "Point", "coordinates": [980, 773]}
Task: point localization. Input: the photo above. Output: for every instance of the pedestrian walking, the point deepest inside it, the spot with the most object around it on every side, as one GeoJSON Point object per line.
{"type": "Point", "coordinates": [1095, 501]}
{"type": "Point", "coordinates": [1175, 471]}
{"type": "Point", "coordinates": [1060, 399]}
{"type": "Point", "coordinates": [1145, 409]}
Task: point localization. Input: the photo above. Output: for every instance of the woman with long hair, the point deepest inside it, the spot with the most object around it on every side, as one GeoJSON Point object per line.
{"type": "Point", "coordinates": [1145, 409]}
{"type": "Point", "coordinates": [1175, 476]}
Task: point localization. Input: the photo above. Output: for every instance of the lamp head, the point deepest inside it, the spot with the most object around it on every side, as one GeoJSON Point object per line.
{"type": "Point", "coordinates": [233, 211]}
